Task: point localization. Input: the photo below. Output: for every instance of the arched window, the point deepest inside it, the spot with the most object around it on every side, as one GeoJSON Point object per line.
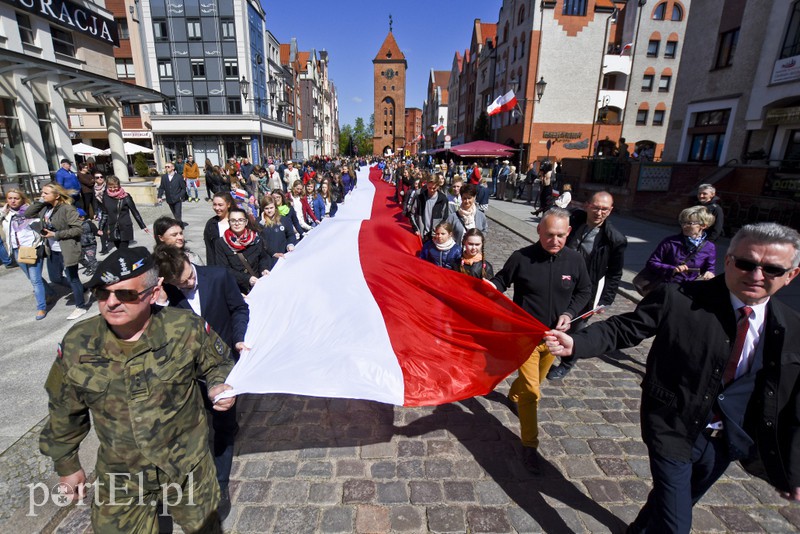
{"type": "Point", "coordinates": [514, 51]}
{"type": "Point", "coordinates": [505, 33]}
{"type": "Point", "coordinates": [521, 17]}
{"type": "Point", "coordinates": [522, 46]}
{"type": "Point", "coordinates": [660, 11]}
{"type": "Point", "coordinates": [385, 111]}
{"type": "Point", "coordinates": [677, 12]}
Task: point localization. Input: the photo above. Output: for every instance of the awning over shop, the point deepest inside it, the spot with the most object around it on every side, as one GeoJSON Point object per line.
{"type": "Point", "coordinates": [75, 85]}
{"type": "Point", "coordinates": [482, 149]}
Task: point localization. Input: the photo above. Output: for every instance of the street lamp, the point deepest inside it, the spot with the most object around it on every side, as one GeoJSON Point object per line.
{"type": "Point", "coordinates": [540, 86]}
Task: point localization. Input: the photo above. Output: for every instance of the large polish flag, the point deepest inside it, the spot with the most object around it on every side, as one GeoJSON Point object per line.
{"type": "Point", "coordinates": [353, 313]}
{"type": "Point", "coordinates": [502, 103]}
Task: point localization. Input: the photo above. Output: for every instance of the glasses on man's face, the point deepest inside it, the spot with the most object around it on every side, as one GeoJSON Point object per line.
{"type": "Point", "coordinates": [772, 271]}
{"type": "Point", "coordinates": [599, 209]}
{"type": "Point", "coordinates": [123, 295]}
{"type": "Point", "coordinates": [690, 223]}
{"type": "Point", "coordinates": [237, 221]}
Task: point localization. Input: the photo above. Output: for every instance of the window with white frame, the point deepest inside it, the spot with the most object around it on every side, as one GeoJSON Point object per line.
{"type": "Point", "coordinates": [193, 29]}
{"type": "Point", "coordinates": [125, 68]}
{"type": "Point", "coordinates": [231, 68]}
{"type": "Point", "coordinates": [198, 68]}
{"type": "Point", "coordinates": [165, 69]}
{"type": "Point", "coordinates": [25, 29]}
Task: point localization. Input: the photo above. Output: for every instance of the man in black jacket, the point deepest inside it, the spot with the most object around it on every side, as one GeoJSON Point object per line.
{"type": "Point", "coordinates": [551, 284]}
{"type": "Point", "coordinates": [430, 208]}
{"type": "Point", "coordinates": [707, 196]}
{"type": "Point", "coordinates": [211, 293]}
{"type": "Point", "coordinates": [603, 248]}
{"type": "Point", "coordinates": [173, 190]}
{"type": "Point", "coordinates": [722, 375]}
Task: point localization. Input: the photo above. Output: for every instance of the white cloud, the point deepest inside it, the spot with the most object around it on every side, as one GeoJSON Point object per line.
{"type": "Point", "coordinates": [357, 99]}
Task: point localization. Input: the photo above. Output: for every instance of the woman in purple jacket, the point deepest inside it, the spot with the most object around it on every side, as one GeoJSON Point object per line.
{"type": "Point", "coordinates": [688, 255]}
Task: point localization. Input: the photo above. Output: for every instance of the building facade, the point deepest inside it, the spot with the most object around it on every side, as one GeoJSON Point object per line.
{"type": "Point", "coordinates": [413, 130]}
{"type": "Point", "coordinates": [52, 69]}
{"type": "Point", "coordinates": [435, 109]}
{"type": "Point", "coordinates": [209, 60]}
{"type": "Point", "coordinates": [389, 97]}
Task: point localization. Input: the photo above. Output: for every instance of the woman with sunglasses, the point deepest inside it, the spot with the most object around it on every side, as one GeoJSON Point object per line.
{"type": "Point", "coordinates": [116, 210]}
{"type": "Point", "coordinates": [61, 228]}
{"type": "Point", "coordinates": [242, 252]}
{"type": "Point", "coordinates": [99, 191]}
{"type": "Point", "coordinates": [19, 233]}
{"type": "Point", "coordinates": [688, 255]}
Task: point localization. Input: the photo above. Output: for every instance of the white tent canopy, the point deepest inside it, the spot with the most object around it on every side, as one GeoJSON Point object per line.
{"type": "Point", "coordinates": [130, 149]}
{"type": "Point", "coordinates": [82, 149]}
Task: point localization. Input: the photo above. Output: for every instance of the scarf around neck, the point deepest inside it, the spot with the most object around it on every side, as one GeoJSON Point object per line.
{"type": "Point", "coordinates": [468, 217]}
{"type": "Point", "coordinates": [447, 245]}
{"type": "Point", "coordinates": [239, 243]}
{"type": "Point", "coordinates": [119, 194]}
{"type": "Point", "coordinates": [98, 191]}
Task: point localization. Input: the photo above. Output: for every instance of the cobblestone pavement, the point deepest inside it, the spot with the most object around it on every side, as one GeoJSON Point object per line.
{"type": "Point", "coordinates": [330, 465]}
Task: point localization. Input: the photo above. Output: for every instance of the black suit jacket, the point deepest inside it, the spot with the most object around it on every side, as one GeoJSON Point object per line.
{"type": "Point", "coordinates": [221, 304]}
{"type": "Point", "coordinates": [606, 259]}
{"type": "Point", "coordinates": [173, 190]}
{"type": "Point", "coordinates": [694, 327]}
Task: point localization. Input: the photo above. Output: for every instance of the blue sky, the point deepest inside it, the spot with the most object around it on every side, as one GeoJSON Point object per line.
{"type": "Point", "coordinates": [429, 33]}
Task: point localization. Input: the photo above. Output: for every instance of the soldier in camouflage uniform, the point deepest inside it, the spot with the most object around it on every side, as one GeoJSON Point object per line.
{"type": "Point", "coordinates": [135, 368]}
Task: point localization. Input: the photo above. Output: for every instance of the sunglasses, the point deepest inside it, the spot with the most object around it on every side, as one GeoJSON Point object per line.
{"type": "Point", "coordinates": [769, 270]}
{"type": "Point", "coordinates": [123, 295]}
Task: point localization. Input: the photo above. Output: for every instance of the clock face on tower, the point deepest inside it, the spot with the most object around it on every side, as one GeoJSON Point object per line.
{"type": "Point", "coordinates": [389, 74]}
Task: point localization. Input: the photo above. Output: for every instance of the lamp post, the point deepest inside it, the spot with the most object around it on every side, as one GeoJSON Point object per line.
{"type": "Point", "coordinates": [272, 88]}
{"type": "Point", "coordinates": [520, 111]}
{"type": "Point", "coordinates": [244, 86]}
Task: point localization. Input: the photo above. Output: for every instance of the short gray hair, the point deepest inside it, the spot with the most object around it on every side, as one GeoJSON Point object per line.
{"type": "Point", "coordinates": [769, 233]}
{"type": "Point", "coordinates": [555, 211]}
{"type": "Point", "coordinates": [150, 278]}
{"type": "Point", "coordinates": [706, 187]}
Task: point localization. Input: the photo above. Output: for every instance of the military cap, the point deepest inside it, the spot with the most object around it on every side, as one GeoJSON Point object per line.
{"type": "Point", "coordinates": [121, 265]}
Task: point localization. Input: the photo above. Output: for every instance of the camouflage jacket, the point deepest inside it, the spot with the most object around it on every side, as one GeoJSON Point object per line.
{"type": "Point", "coordinates": [147, 409]}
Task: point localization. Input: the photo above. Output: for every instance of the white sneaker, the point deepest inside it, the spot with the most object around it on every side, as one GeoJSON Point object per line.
{"type": "Point", "coordinates": [76, 313]}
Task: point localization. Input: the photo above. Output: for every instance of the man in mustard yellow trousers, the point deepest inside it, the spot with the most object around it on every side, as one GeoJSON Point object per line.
{"type": "Point", "coordinates": [552, 284]}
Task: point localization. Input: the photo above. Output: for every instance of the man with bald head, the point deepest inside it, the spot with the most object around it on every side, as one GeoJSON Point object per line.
{"type": "Point", "coordinates": [603, 249]}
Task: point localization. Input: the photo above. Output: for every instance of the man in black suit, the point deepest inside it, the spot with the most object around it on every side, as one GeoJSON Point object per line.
{"type": "Point", "coordinates": [173, 190]}
{"type": "Point", "coordinates": [603, 249]}
{"type": "Point", "coordinates": [211, 293]}
{"type": "Point", "coordinates": [722, 375]}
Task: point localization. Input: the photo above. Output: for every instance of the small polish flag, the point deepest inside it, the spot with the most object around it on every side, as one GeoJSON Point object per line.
{"type": "Point", "coordinates": [624, 48]}
{"type": "Point", "coordinates": [438, 128]}
{"type": "Point", "coordinates": [502, 103]}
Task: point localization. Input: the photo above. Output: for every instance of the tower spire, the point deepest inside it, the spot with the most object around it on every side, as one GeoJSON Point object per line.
{"type": "Point", "coordinates": [390, 23]}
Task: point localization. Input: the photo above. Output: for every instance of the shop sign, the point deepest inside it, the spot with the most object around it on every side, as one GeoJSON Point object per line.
{"type": "Point", "coordinates": [134, 134]}
{"type": "Point", "coordinates": [73, 17]}
{"type": "Point", "coordinates": [786, 70]}
{"type": "Point", "coordinates": [782, 116]}
{"type": "Point", "coordinates": [561, 135]}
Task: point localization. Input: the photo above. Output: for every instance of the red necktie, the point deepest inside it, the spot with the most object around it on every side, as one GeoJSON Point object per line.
{"type": "Point", "coordinates": [741, 332]}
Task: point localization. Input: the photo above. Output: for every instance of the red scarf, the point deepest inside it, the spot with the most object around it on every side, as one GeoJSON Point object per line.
{"type": "Point", "coordinates": [241, 242]}
{"type": "Point", "coordinates": [118, 194]}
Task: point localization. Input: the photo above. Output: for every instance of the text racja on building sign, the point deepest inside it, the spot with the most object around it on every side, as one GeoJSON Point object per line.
{"type": "Point", "coordinates": [73, 17]}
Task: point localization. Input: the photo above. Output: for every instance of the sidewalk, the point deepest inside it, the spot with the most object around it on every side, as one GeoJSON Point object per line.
{"type": "Point", "coordinates": [643, 237]}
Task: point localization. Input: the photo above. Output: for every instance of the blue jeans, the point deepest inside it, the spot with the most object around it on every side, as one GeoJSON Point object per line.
{"type": "Point", "coordinates": [4, 257]}
{"type": "Point", "coordinates": [191, 189]}
{"type": "Point", "coordinates": [41, 289]}
{"type": "Point", "coordinates": [56, 271]}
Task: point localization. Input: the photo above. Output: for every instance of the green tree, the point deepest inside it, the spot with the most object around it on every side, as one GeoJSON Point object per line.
{"type": "Point", "coordinates": [140, 165]}
{"type": "Point", "coordinates": [361, 135]}
{"type": "Point", "coordinates": [345, 138]}
{"type": "Point", "coordinates": [481, 131]}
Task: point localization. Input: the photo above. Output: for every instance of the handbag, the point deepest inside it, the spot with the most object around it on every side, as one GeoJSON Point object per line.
{"type": "Point", "coordinates": [27, 255]}
{"type": "Point", "coordinates": [646, 281]}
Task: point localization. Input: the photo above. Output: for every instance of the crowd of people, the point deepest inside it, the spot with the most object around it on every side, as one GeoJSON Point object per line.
{"type": "Point", "coordinates": [697, 417]}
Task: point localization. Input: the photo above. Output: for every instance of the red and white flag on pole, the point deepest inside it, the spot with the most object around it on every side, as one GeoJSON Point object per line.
{"type": "Point", "coordinates": [502, 103]}
{"type": "Point", "coordinates": [392, 328]}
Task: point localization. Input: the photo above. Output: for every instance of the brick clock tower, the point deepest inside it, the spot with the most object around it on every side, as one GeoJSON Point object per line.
{"type": "Point", "coordinates": [389, 68]}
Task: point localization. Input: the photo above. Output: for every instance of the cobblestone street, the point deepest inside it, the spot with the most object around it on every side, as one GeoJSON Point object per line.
{"type": "Point", "coordinates": [330, 465]}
